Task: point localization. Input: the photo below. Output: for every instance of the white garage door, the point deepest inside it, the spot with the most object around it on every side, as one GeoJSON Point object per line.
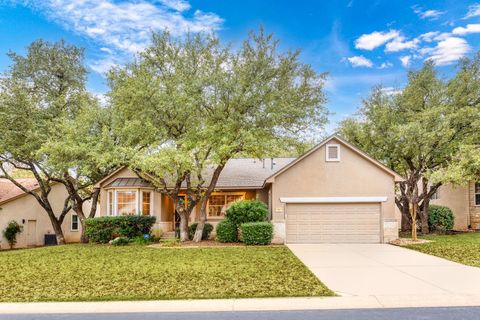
{"type": "Point", "coordinates": [333, 223]}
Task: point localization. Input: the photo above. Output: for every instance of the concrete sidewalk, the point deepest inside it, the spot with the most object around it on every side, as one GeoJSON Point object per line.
{"type": "Point", "coordinates": [262, 304]}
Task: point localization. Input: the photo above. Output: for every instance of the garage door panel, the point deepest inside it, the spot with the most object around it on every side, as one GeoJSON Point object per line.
{"type": "Point", "coordinates": [334, 223]}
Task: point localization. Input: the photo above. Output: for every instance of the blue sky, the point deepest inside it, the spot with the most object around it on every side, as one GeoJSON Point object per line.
{"type": "Point", "coordinates": [359, 43]}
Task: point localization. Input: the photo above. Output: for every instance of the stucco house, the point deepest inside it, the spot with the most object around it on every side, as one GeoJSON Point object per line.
{"type": "Point", "coordinates": [25, 210]}
{"type": "Point", "coordinates": [332, 193]}
{"type": "Point", "coordinates": [464, 200]}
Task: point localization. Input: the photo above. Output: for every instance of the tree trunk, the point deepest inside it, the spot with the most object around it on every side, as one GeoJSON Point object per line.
{"type": "Point", "coordinates": [81, 218]}
{"type": "Point", "coordinates": [183, 226]}
{"type": "Point", "coordinates": [203, 209]}
{"type": "Point", "coordinates": [203, 218]}
{"type": "Point", "coordinates": [424, 216]}
{"type": "Point", "coordinates": [406, 224]}
{"type": "Point", "coordinates": [413, 213]}
{"type": "Point", "coordinates": [57, 228]}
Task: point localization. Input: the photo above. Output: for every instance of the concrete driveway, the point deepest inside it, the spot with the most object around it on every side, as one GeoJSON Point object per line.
{"type": "Point", "coordinates": [386, 270]}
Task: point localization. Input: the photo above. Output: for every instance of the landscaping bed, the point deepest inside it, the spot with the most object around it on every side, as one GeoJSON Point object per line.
{"type": "Point", "coordinates": [134, 272]}
{"type": "Point", "coordinates": [461, 247]}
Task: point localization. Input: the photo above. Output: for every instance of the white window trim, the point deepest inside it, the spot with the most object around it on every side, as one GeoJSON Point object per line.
{"type": "Point", "coordinates": [475, 194]}
{"type": "Point", "coordinates": [71, 223]}
{"type": "Point", "coordinates": [242, 194]}
{"type": "Point", "coordinates": [327, 158]}
{"type": "Point", "coordinates": [138, 200]}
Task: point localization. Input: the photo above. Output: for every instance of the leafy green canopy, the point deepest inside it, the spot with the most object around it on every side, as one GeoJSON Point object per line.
{"type": "Point", "coordinates": [192, 102]}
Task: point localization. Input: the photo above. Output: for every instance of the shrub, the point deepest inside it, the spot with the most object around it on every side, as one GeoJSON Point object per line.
{"type": "Point", "coordinates": [247, 211]}
{"type": "Point", "coordinates": [207, 229]}
{"type": "Point", "coordinates": [120, 241]}
{"type": "Point", "coordinates": [257, 233]}
{"type": "Point", "coordinates": [226, 231]}
{"type": "Point", "coordinates": [11, 231]}
{"type": "Point", "coordinates": [440, 218]}
{"type": "Point", "coordinates": [104, 229]}
{"type": "Point", "coordinates": [142, 240]}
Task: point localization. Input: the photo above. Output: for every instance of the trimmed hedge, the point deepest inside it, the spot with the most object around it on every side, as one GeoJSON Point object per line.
{"type": "Point", "coordinates": [226, 231]}
{"type": "Point", "coordinates": [207, 229]}
{"type": "Point", "coordinates": [257, 233]}
{"type": "Point", "coordinates": [440, 218]}
{"type": "Point", "coordinates": [247, 211]}
{"type": "Point", "coordinates": [104, 229]}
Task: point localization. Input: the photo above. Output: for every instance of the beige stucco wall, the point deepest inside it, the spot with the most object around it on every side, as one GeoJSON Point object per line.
{"type": "Point", "coordinates": [352, 176]}
{"type": "Point", "coordinates": [26, 208]}
{"type": "Point", "coordinates": [457, 199]}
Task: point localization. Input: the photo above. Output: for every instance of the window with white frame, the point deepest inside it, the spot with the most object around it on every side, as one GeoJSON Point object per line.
{"type": "Point", "coordinates": [74, 223]}
{"type": "Point", "coordinates": [126, 203]}
{"type": "Point", "coordinates": [219, 203]}
{"type": "Point", "coordinates": [477, 193]}
{"type": "Point", "coordinates": [435, 195]}
{"type": "Point", "coordinates": [332, 152]}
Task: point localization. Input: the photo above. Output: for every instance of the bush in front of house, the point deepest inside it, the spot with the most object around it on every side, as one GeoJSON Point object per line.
{"type": "Point", "coordinates": [120, 241]}
{"type": "Point", "coordinates": [104, 229]}
{"type": "Point", "coordinates": [257, 233]}
{"type": "Point", "coordinates": [226, 231]}
{"type": "Point", "coordinates": [247, 211]}
{"type": "Point", "coordinates": [11, 231]}
{"type": "Point", "coordinates": [440, 218]}
{"type": "Point", "coordinates": [207, 229]}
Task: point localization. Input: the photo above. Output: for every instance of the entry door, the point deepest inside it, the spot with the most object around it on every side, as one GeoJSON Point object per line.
{"type": "Point", "coordinates": [32, 233]}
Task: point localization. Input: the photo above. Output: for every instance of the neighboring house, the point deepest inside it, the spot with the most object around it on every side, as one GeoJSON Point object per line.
{"type": "Point", "coordinates": [464, 202]}
{"type": "Point", "coordinates": [25, 210]}
{"type": "Point", "coordinates": [333, 193]}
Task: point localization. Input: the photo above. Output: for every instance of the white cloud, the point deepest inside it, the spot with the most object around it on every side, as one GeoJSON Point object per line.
{"type": "Point", "coordinates": [447, 51]}
{"type": "Point", "coordinates": [375, 39]}
{"type": "Point", "coordinates": [429, 36]}
{"type": "Point", "coordinates": [399, 44]}
{"type": "Point", "coordinates": [473, 11]}
{"type": "Point", "coordinates": [406, 60]}
{"type": "Point", "coordinates": [391, 91]}
{"type": "Point", "coordinates": [124, 28]}
{"type": "Point", "coordinates": [428, 14]}
{"type": "Point", "coordinates": [385, 65]}
{"type": "Point", "coordinates": [179, 5]}
{"type": "Point", "coordinates": [360, 61]}
{"type": "Point", "coordinates": [470, 28]}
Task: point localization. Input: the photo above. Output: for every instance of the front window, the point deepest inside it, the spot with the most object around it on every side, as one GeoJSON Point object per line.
{"type": "Point", "coordinates": [477, 193]}
{"type": "Point", "coordinates": [146, 203]}
{"type": "Point", "coordinates": [74, 225]}
{"type": "Point", "coordinates": [219, 203]}
{"type": "Point", "coordinates": [126, 203]}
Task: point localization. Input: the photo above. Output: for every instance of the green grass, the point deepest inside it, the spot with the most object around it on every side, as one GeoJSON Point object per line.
{"type": "Point", "coordinates": [463, 248]}
{"type": "Point", "coordinates": [102, 272]}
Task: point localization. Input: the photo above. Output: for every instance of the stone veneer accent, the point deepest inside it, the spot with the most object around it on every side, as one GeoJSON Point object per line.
{"type": "Point", "coordinates": [390, 230]}
{"type": "Point", "coordinates": [474, 210]}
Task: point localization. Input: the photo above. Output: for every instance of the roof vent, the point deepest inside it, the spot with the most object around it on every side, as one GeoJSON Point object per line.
{"type": "Point", "coordinates": [332, 152]}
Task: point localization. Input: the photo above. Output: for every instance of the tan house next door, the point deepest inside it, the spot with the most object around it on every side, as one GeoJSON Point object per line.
{"type": "Point", "coordinates": [333, 222]}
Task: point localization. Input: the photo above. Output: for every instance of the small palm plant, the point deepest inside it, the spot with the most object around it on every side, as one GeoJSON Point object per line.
{"type": "Point", "coordinates": [11, 231]}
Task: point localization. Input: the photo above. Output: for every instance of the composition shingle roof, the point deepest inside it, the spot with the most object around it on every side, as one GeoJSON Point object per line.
{"type": "Point", "coordinates": [238, 173]}
{"type": "Point", "coordinates": [8, 190]}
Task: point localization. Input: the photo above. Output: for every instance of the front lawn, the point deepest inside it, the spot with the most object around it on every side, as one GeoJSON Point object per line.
{"type": "Point", "coordinates": [463, 248]}
{"type": "Point", "coordinates": [102, 272]}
